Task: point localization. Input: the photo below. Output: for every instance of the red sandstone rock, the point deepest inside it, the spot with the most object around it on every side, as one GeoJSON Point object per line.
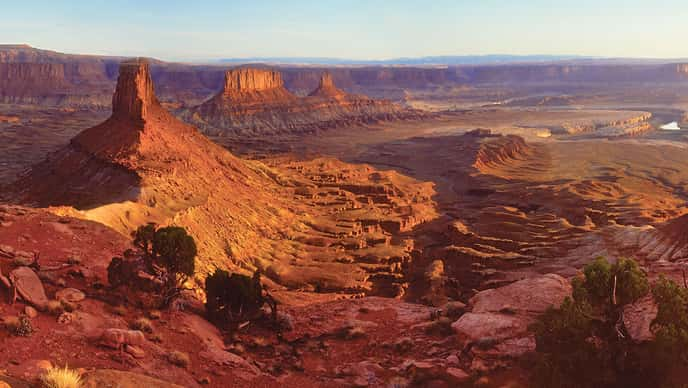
{"type": "Point", "coordinates": [254, 101]}
{"type": "Point", "coordinates": [29, 286]}
{"type": "Point", "coordinates": [326, 88]}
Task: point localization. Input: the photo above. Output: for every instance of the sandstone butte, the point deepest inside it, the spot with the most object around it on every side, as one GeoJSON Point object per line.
{"type": "Point", "coordinates": [304, 225]}
{"type": "Point", "coordinates": [255, 102]}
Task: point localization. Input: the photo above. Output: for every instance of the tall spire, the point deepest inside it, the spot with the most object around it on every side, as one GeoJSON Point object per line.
{"type": "Point", "coordinates": [134, 94]}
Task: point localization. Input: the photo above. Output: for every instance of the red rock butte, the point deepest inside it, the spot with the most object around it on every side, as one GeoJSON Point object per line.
{"type": "Point", "coordinates": [247, 79]}
{"type": "Point", "coordinates": [255, 102]}
{"type": "Point", "coordinates": [326, 88]}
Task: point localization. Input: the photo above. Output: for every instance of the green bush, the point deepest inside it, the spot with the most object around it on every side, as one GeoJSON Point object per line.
{"type": "Point", "coordinates": [175, 251]}
{"type": "Point", "coordinates": [672, 302]}
{"type": "Point", "coordinates": [168, 255]}
{"type": "Point", "coordinates": [631, 281]}
{"type": "Point", "coordinates": [143, 238]}
{"type": "Point", "coordinates": [568, 355]}
{"type": "Point", "coordinates": [597, 284]}
{"type": "Point", "coordinates": [671, 324]}
{"type": "Point", "coordinates": [597, 281]}
{"type": "Point", "coordinates": [579, 344]}
{"type": "Point", "coordinates": [232, 298]}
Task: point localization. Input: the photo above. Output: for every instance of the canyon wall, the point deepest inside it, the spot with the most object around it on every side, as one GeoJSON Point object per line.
{"type": "Point", "coordinates": [29, 75]}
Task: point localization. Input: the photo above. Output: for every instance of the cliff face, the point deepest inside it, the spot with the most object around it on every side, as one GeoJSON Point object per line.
{"type": "Point", "coordinates": [34, 76]}
{"type": "Point", "coordinates": [255, 102]}
{"type": "Point", "coordinates": [248, 91]}
{"type": "Point", "coordinates": [248, 80]}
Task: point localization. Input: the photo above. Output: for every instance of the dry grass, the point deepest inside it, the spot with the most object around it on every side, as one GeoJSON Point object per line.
{"type": "Point", "coordinates": [61, 378]}
{"type": "Point", "coordinates": [154, 314]}
{"type": "Point", "coordinates": [119, 310]}
{"type": "Point", "coordinates": [179, 359]}
{"type": "Point", "coordinates": [54, 307]}
{"type": "Point", "coordinates": [68, 306]}
{"type": "Point", "coordinates": [143, 324]}
{"type": "Point", "coordinates": [20, 326]}
{"type": "Point", "coordinates": [155, 337]}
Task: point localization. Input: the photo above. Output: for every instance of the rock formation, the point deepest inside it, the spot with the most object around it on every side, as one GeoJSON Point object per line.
{"type": "Point", "coordinates": [326, 88]}
{"type": "Point", "coordinates": [496, 328]}
{"type": "Point", "coordinates": [304, 224]}
{"type": "Point", "coordinates": [143, 165]}
{"type": "Point", "coordinates": [255, 102]}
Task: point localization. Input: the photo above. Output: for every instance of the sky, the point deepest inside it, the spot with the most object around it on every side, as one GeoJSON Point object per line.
{"type": "Point", "coordinates": [354, 29]}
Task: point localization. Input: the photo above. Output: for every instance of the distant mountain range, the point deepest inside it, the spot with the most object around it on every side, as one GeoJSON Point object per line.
{"type": "Point", "coordinates": [432, 60]}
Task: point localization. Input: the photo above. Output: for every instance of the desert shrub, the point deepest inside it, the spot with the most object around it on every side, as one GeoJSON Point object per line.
{"type": "Point", "coordinates": [54, 307]}
{"type": "Point", "coordinates": [440, 326]}
{"type": "Point", "coordinates": [115, 272]}
{"type": "Point", "coordinates": [597, 279]}
{"type": "Point", "coordinates": [671, 325]}
{"type": "Point", "coordinates": [155, 337]}
{"type": "Point", "coordinates": [169, 257]}
{"type": "Point", "coordinates": [179, 359]}
{"type": "Point", "coordinates": [568, 355]}
{"type": "Point", "coordinates": [234, 297]}
{"type": "Point", "coordinates": [631, 281]}
{"type": "Point", "coordinates": [579, 343]}
{"type": "Point", "coordinates": [597, 284]}
{"type": "Point", "coordinates": [61, 378]}
{"type": "Point", "coordinates": [142, 324]}
{"type": "Point", "coordinates": [119, 310]}
{"type": "Point", "coordinates": [143, 238]}
{"type": "Point", "coordinates": [672, 302]}
{"type": "Point", "coordinates": [19, 326]}
{"type": "Point", "coordinates": [176, 251]}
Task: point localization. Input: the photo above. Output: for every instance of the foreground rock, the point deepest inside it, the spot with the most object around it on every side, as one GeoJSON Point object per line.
{"type": "Point", "coordinates": [496, 328]}
{"type": "Point", "coordinates": [29, 287]}
{"type": "Point", "coordinates": [120, 379]}
{"type": "Point", "coordinates": [638, 317]}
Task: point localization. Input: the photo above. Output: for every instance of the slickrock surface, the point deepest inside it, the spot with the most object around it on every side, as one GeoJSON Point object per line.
{"type": "Point", "coordinates": [496, 328]}
{"type": "Point", "coordinates": [255, 102]}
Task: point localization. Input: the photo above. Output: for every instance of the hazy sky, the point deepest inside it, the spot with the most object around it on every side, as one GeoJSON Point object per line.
{"type": "Point", "coordinates": [357, 29]}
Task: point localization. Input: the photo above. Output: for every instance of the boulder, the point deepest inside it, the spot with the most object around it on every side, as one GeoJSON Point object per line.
{"type": "Point", "coordinates": [116, 338]}
{"type": "Point", "coordinates": [30, 312]}
{"type": "Point", "coordinates": [454, 309]}
{"type": "Point", "coordinates": [7, 251]}
{"type": "Point", "coordinates": [135, 351]}
{"type": "Point", "coordinates": [529, 296]}
{"type": "Point", "coordinates": [495, 331]}
{"type": "Point", "coordinates": [456, 375]}
{"type": "Point", "coordinates": [638, 317]}
{"type": "Point", "coordinates": [23, 258]}
{"type": "Point", "coordinates": [70, 295]}
{"type": "Point", "coordinates": [493, 326]}
{"type": "Point", "coordinates": [29, 287]}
